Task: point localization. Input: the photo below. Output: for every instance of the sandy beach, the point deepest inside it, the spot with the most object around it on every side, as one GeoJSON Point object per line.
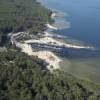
{"type": "Point", "coordinates": [53, 15]}
{"type": "Point", "coordinates": [51, 27]}
{"type": "Point", "coordinates": [51, 41]}
{"type": "Point", "coordinates": [52, 60]}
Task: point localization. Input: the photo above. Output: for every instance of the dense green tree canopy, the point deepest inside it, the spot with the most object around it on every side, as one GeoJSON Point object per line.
{"type": "Point", "coordinates": [22, 15]}
{"type": "Point", "coordinates": [25, 78]}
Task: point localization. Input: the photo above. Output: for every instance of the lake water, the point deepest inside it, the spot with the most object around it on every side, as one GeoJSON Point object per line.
{"type": "Point", "coordinates": [84, 26]}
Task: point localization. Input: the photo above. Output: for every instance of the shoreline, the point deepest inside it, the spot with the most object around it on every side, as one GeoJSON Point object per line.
{"type": "Point", "coordinates": [51, 27]}
{"type": "Point", "coordinates": [48, 56]}
{"type": "Point", "coordinates": [47, 39]}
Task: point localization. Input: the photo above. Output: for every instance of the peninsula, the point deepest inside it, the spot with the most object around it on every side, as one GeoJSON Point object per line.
{"type": "Point", "coordinates": [28, 73]}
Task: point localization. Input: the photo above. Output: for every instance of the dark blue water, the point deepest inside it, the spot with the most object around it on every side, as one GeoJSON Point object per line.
{"type": "Point", "coordinates": [84, 16]}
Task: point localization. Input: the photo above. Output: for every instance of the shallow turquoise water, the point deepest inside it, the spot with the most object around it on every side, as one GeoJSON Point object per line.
{"type": "Point", "coordinates": [88, 69]}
